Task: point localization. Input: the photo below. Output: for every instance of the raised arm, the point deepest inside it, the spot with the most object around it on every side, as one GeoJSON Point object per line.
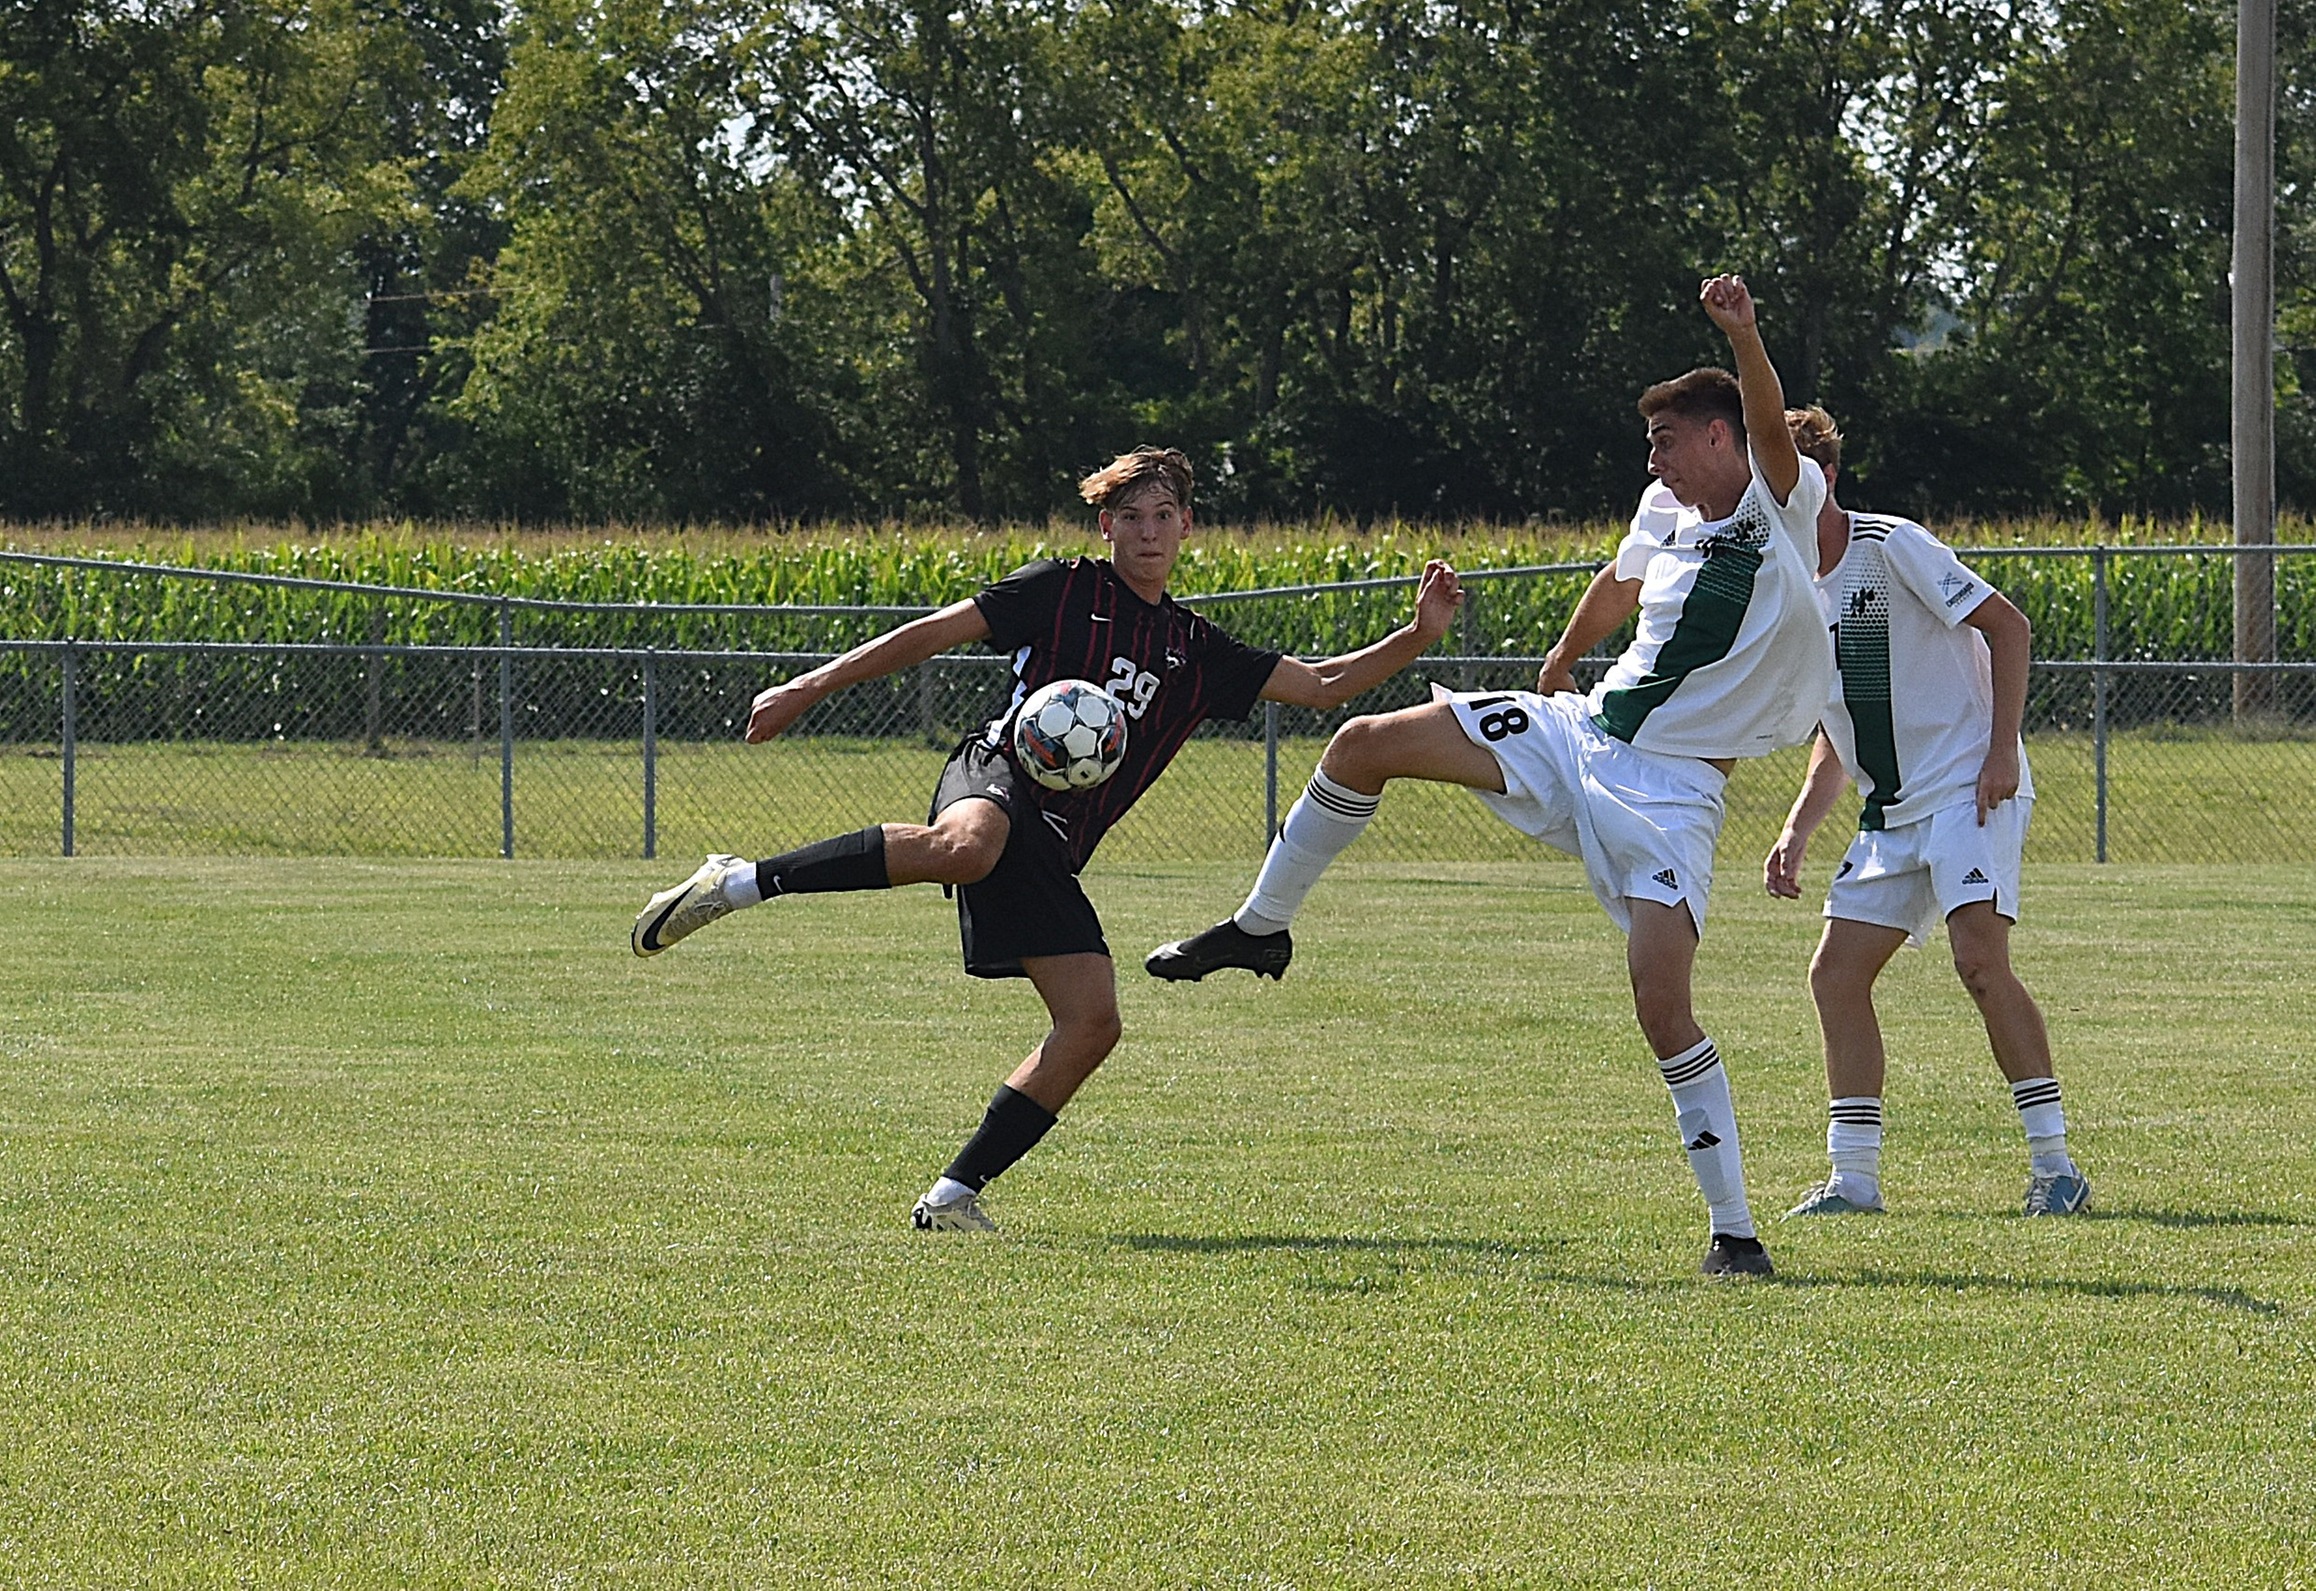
{"type": "Point", "coordinates": [1730, 305]}
{"type": "Point", "coordinates": [1821, 787]}
{"type": "Point", "coordinates": [955, 625]}
{"type": "Point", "coordinates": [2010, 645]}
{"type": "Point", "coordinates": [1606, 603]}
{"type": "Point", "coordinates": [1335, 681]}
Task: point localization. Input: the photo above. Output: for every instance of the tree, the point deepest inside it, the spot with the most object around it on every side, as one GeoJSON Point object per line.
{"type": "Point", "coordinates": [640, 361]}
{"type": "Point", "coordinates": [178, 179]}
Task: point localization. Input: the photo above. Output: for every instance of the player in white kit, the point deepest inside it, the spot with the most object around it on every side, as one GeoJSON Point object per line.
{"type": "Point", "coordinates": [1932, 675]}
{"type": "Point", "coordinates": [1730, 660]}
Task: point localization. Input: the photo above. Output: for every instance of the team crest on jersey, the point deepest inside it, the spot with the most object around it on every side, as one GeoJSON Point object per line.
{"type": "Point", "coordinates": [1175, 660]}
{"type": "Point", "coordinates": [1747, 528]}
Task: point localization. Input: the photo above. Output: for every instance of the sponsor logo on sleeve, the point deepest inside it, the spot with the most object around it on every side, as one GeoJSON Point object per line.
{"type": "Point", "coordinates": [1955, 587]}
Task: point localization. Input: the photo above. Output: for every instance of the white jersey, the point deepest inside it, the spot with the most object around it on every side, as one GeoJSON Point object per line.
{"type": "Point", "coordinates": [1896, 603]}
{"type": "Point", "coordinates": [1730, 659]}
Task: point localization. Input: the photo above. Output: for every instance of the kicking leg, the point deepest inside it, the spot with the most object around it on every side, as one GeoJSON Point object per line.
{"type": "Point", "coordinates": [1081, 996]}
{"type": "Point", "coordinates": [959, 847]}
{"type": "Point", "coordinates": [1335, 808]}
{"type": "Point", "coordinates": [1850, 956]}
{"type": "Point", "coordinates": [1661, 955]}
{"type": "Point", "coordinates": [2022, 1048]}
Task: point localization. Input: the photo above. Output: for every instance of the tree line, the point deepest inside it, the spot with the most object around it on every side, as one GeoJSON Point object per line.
{"type": "Point", "coordinates": [742, 260]}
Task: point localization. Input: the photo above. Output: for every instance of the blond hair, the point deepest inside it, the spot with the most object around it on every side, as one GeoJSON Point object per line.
{"type": "Point", "coordinates": [1815, 436]}
{"type": "Point", "coordinates": [1130, 474]}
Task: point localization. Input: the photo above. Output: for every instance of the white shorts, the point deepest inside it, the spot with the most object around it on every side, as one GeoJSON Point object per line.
{"type": "Point", "coordinates": [1642, 822]}
{"type": "Point", "coordinates": [1913, 877]}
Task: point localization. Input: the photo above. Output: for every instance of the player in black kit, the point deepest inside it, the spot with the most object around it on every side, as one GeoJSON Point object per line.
{"type": "Point", "coordinates": [1012, 848]}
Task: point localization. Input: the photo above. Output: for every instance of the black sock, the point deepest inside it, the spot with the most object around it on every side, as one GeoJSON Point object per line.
{"type": "Point", "coordinates": [850, 861]}
{"type": "Point", "coordinates": [1009, 1129]}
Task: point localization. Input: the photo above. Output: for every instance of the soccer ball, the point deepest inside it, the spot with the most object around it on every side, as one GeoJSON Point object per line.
{"type": "Point", "coordinates": [1070, 735]}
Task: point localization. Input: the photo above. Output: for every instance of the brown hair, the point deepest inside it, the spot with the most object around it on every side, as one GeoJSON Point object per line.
{"type": "Point", "coordinates": [1815, 436]}
{"type": "Point", "coordinates": [1129, 474]}
{"type": "Point", "coordinates": [1709, 393]}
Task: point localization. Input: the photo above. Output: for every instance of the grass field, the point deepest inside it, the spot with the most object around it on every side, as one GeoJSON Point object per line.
{"type": "Point", "coordinates": [2174, 796]}
{"type": "Point", "coordinates": [386, 1223]}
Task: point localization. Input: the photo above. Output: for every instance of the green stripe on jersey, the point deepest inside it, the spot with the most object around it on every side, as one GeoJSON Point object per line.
{"type": "Point", "coordinates": [1862, 654]}
{"type": "Point", "coordinates": [1703, 634]}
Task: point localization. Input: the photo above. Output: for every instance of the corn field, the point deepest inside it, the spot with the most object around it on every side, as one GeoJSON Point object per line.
{"type": "Point", "coordinates": [2170, 607]}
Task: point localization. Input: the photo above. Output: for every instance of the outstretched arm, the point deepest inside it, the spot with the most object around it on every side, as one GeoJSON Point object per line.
{"type": "Point", "coordinates": [2010, 646]}
{"type": "Point", "coordinates": [1820, 788]}
{"type": "Point", "coordinates": [1335, 681]}
{"type": "Point", "coordinates": [1730, 305]}
{"type": "Point", "coordinates": [955, 625]}
{"type": "Point", "coordinates": [1606, 603]}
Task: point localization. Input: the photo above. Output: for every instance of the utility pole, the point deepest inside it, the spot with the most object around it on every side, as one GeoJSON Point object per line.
{"type": "Point", "coordinates": [2252, 426]}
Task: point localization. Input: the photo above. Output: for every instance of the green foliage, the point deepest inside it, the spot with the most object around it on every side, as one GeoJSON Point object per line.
{"type": "Point", "coordinates": [2169, 605]}
{"type": "Point", "coordinates": [191, 196]}
{"type": "Point", "coordinates": [758, 262]}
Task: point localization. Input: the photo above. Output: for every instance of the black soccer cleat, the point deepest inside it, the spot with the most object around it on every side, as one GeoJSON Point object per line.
{"type": "Point", "coordinates": [1737, 1256]}
{"type": "Point", "coordinates": [1226, 944]}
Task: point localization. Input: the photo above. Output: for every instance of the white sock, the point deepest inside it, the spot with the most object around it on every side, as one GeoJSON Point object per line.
{"type": "Point", "coordinates": [2045, 1121]}
{"type": "Point", "coordinates": [1324, 820]}
{"type": "Point", "coordinates": [1853, 1142]}
{"type": "Point", "coordinates": [946, 1190]}
{"type": "Point", "coordinates": [1699, 1085]}
{"type": "Point", "coordinates": [739, 885]}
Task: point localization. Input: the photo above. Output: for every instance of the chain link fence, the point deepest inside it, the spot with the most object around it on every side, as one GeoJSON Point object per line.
{"type": "Point", "coordinates": [563, 730]}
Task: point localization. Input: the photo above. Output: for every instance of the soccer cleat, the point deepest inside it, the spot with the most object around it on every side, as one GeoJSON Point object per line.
{"type": "Point", "coordinates": [1226, 944]}
{"type": "Point", "coordinates": [1827, 1198]}
{"type": "Point", "coordinates": [673, 913]}
{"type": "Point", "coordinates": [2067, 1193]}
{"type": "Point", "coordinates": [1736, 1256]}
{"type": "Point", "coordinates": [962, 1214]}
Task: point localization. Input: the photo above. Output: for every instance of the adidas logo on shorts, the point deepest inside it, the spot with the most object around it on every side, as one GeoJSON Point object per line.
{"type": "Point", "coordinates": [1974, 876]}
{"type": "Point", "coordinates": [1665, 877]}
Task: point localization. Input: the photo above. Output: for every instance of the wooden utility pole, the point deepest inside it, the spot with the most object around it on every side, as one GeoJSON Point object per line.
{"type": "Point", "coordinates": [2252, 426]}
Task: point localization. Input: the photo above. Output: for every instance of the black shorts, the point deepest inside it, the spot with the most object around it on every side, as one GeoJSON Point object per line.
{"type": "Point", "coordinates": [1031, 903]}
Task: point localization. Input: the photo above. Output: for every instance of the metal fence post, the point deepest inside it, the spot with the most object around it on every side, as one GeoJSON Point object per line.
{"type": "Point", "coordinates": [506, 732]}
{"type": "Point", "coordinates": [1470, 637]}
{"type": "Point", "coordinates": [650, 758]}
{"type": "Point", "coordinates": [69, 747]}
{"type": "Point", "coordinates": [373, 691]}
{"type": "Point", "coordinates": [2099, 693]}
{"type": "Point", "coordinates": [1270, 773]}
{"type": "Point", "coordinates": [928, 718]}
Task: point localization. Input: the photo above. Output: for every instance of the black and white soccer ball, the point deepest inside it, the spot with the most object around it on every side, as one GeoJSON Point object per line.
{"type": "Point", "coordinates": [1070, 735]}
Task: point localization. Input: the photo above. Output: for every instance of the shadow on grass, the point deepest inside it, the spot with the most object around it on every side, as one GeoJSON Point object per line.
{"type": "Point", "coordinates": [1322, 1243]}
{"type": "Point", "coordinates": [2184, 1219]}
{"type": "Point", "coordinates": [1965, 1282]}
{"type": "Point", "coordinates": [1396, 1249]}
{"type": "Point", "coordinates": [2196, 1218]}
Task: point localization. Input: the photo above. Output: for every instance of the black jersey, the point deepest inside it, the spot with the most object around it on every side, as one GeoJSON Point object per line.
{"type": "Point", "coordinates": [1172, 669]}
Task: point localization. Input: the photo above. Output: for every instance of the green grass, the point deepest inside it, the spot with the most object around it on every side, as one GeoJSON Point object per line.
{"type": "Point", "coordinates": [2174, 795]}
{"type": "Point", "coordinates": [386, 1223]}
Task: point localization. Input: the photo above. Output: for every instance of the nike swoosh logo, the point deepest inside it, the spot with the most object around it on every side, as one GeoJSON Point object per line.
{"type": "Point", "coordinates": [1097, 618]}
{"type": "Point", "coordinates": [649, 938]}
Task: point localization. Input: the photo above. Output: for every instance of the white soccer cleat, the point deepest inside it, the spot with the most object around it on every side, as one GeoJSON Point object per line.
{"type": "Point", "coordinates": [686, 909]}
{"type": "Point", "coordinates": [958, 1215]}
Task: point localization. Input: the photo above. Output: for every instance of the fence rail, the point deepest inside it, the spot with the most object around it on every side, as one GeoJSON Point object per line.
{"type": "Point", "coordinates": [242, 747]}
{"type": "Point", "coordinates": [604, 742]}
